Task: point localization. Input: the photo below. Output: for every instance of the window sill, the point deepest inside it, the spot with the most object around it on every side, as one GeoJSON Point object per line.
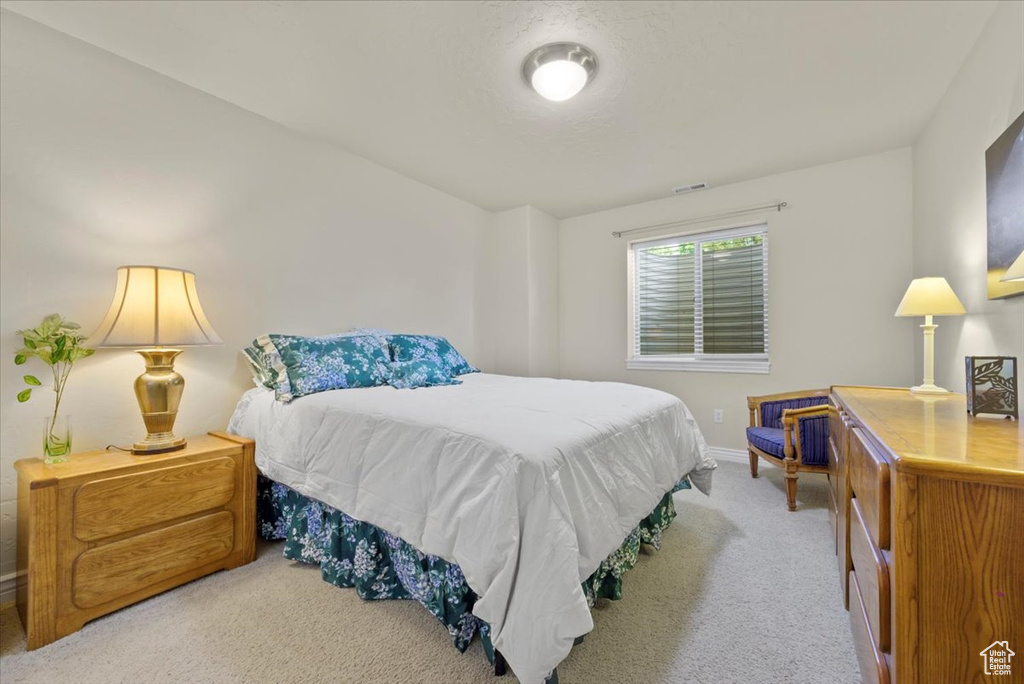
{"type": "Point", "coordinates": [719, 365]}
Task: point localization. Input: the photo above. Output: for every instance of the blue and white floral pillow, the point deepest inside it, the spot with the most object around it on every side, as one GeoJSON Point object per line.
{"type": "Point", "coordinates": [262, 368]}
{"type": "Point", "coordinates": [307, 365]}
{"type": "Point", "coordinates": [266, 364]}
{"type": "Point", "coordinates": [379, 333]}
{"type": "Point", "coordinates": [437, 350]}
{"type": "Point", "coordinates": [267, 368]}
{"type": "Point", "coordinates": [418, 373]}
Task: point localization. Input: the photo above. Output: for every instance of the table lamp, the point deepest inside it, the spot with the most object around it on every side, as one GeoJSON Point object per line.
{"type": "Point", "coordinates": [156, 310]}
{"type": "Point", "coordinates": [1015, 273]}
{"type": "Point", "coordinates": [929, 297]}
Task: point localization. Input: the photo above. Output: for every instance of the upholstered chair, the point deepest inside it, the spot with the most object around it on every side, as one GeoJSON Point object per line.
{"type": "Point", "coordinates": [790, 431]}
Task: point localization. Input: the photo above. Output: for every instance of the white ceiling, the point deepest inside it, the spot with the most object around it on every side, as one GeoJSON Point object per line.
{"type": "Point", "coordinates": [686, 91]}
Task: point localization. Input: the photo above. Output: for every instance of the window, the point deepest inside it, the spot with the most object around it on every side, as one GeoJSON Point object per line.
{"type": "Point", "coordinates": [700, 301]}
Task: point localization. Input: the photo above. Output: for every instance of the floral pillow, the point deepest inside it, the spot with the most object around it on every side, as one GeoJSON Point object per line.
{"type": "Point", "coordinates": [379, 333]}
{"type": "Point", "coordinates": [263, 373]}
{"type": "Point", "coordinates": [265, 361]}
{"type": "Point", "coordinates": [418, 373]}
{"type": "Point", "coordinates": [437, 350]}
{"type": "Point", "coordinates": [307, 365]}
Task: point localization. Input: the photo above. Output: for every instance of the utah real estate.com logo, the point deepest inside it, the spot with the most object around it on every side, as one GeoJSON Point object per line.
{"type": "Point", "coordinates": [997, 658]}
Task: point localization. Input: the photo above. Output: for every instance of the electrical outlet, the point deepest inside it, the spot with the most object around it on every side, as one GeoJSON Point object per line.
{"type": "Point", "coordinates": [719, 415]}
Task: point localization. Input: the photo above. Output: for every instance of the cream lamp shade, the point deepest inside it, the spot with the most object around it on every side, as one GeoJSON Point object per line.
{"type": "Point", "coordinates": [929, 297]}
{"type": "Point", "coordinates": [1015, 274]}
{"type": "Point", "coordinates": [154, 307]}
{"type": "Point", "coordinates": [155, 310]}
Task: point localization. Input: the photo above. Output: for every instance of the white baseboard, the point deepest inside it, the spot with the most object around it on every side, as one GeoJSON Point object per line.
{"type": "Point", "coordinates": [8, 588]}
{"type": "Point", "coordinates": [729, 455]}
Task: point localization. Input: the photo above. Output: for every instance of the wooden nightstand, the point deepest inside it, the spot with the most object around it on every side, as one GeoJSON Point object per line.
{"type": "Point", "coordinates": [107, 529]}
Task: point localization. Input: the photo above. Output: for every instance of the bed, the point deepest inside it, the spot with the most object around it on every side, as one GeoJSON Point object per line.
{"type": "Point", "coordinates": [524, 485]}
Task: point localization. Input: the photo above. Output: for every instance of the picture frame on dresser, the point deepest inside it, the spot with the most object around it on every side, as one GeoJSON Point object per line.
{"type": "Point", "coordinates": [992, 385]}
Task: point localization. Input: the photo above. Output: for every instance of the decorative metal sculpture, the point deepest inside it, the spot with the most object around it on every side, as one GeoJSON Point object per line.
{"type": "Point", "coordinates": [992, 385]}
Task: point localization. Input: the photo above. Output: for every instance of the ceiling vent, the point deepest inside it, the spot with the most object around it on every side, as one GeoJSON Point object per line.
{"type": "Point", "coordinates": [684, 189]}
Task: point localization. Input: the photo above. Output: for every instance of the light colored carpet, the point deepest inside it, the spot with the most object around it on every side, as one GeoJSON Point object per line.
{"type": "Point", "coordinates": [741, 591]}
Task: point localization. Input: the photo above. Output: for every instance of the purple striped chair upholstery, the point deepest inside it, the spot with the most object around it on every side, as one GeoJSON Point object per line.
{"type": "Point", "coordinates": [789, 431]}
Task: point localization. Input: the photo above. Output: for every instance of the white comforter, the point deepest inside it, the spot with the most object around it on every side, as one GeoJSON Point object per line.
{"type": "Point", "coordinates": [526, 483]}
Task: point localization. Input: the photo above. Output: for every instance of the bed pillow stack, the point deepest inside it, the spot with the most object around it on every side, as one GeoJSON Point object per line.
{"type": "Point", "coordinates": [294, 365]}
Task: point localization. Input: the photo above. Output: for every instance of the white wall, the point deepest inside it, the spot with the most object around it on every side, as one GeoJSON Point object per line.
{"type": "Point", "coordinates": [839, 261]}
{"type": "Point", "coordinates": [542, 283]}
{"type": "Point", "coordinates": [505, 300]}
{"type": "Point", "coordinates": [519, 293]}
{"type": "Point", "coordinates": [105, 163]}
{"type": "Point", "coordinates": [950, 196]}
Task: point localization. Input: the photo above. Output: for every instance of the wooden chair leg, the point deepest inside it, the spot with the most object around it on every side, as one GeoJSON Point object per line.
{"type": "Point", "coordinates": [753, 463]}
{"type": "Point", "coordinates": [790, 460]}
{"type": "Point", "coordinates": [791, 478]}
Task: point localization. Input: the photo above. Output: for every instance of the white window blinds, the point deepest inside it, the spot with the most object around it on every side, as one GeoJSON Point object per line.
{"type": "Point", "coordinates": [702, 298]}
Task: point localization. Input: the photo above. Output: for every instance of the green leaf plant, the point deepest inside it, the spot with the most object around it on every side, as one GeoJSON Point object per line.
{"type": "Point", "coordinates": [57, 343]}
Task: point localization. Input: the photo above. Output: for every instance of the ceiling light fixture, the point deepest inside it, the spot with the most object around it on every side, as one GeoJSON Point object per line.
{"type": "Point", "coordinates": [558, 71]}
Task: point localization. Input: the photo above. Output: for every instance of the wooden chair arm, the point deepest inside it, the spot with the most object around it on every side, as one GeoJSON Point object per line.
{"type": "Point", "coordinates": [793, 414]}
{"type": "Point", "coordinates": [791, 428]}
{"type": "Point", "coordinates": [754, 403]}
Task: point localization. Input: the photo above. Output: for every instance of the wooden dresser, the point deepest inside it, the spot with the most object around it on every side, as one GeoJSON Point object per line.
{"type": "Point", "coordinates": [928, 511]}
{"type": "Point", "coordinates": [107, 529]}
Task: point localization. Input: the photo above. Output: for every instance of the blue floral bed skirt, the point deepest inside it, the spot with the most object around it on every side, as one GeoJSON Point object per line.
{"type": "Point", "coordinates": [380, 565]}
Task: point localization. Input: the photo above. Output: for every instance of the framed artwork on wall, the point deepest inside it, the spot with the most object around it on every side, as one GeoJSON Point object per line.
{"type": "Point", "coordinates": [1004, 174]}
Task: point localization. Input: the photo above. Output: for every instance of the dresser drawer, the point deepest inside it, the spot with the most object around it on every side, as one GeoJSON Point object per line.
{"type": "Point", "coordinates": [869, 479]}
{"type": "Point", "coordinates": [835, 425]}
{"type": "Point", "coordinates": [115, 505]}
{"type": "Point", "coordinates": [873, 667]}
{"type": "Point", "coordinates": [833, 468]}
{"type": "Point", "coordinates": [833, 518]}
{"type": "Point", "coordinates": [872, 577]}
{"type": "Point", "coordinates": [109, 571]}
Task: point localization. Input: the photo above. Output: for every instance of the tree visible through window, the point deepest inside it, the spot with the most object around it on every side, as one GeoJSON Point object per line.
{"type": "Point", "coordinates": [701, 295]}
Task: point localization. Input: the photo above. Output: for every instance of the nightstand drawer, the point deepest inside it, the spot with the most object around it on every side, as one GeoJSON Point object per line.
{"type": "Point", "coordinates": [106, 572]}
{"type": "Point", "coordinates": [115, 505]}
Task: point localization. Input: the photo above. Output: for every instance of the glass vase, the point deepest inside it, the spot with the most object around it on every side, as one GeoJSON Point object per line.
{"type": "Point", "coordinates": [56, 439]}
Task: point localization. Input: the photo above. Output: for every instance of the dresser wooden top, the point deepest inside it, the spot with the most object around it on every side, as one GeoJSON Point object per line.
{"type": "Point", "coordinates": [934, 432]}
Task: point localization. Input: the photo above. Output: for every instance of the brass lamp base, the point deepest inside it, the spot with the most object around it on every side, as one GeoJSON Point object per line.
{"type": "Point", "coordinates": [158, 445]}
{"type": "Point", "coordinates": [159, 393]}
